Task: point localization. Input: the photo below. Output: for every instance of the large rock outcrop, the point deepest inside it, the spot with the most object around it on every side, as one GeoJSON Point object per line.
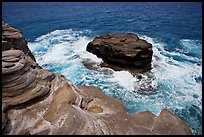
{"type": "Point", "coordinates": [123, 50]}
{"type": "Point", "coordinates": [38, 102]}
{"type": "Point", "coordinates": [13, 39]}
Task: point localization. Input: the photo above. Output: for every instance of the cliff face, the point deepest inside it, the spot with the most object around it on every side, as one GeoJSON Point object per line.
{"type": "Point", "coordinates": [35, 101]}
{"type": "Point", "coordinates": [13, 39]}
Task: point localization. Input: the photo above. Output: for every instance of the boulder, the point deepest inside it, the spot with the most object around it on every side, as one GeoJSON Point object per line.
{"type": "Point", "coordinates": [38, 102]}
{"type": "Point", "coordinates": [123, 50]}
{"type": "Point", "coordinates": [168, 123]}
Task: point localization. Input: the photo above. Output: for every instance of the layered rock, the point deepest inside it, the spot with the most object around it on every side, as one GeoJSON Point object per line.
{"type": "Point", "coordinates": [13, 39]}
{"type": "Point", "coordinates": [37, 102]}
{"type": "Point", "coordinates": [123, 50]}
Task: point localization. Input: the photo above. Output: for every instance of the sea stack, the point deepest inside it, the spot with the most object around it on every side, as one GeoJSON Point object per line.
{"type": "Point", "coordinates": [38, 102]}
{"type": "Point", "coordinates": [122, 50]}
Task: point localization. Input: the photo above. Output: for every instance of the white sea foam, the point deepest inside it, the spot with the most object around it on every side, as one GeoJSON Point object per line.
{"type": "Point", "coordinates": [190, 41]}
{"type": "Point", "coordinates": [174, 80]}
{"type": "Point", "coordinates": [80, 48]}
{"type": "Point", "coordinates": [130, 20]}
{"type": "Point", "coordinates": [61, 45]}
{"type": "Point", "coordinates": [191, 46]}
{"type": "Point", "coordinates": [177, 76]}
{"type": "Point", "coordinates": [124, 78]}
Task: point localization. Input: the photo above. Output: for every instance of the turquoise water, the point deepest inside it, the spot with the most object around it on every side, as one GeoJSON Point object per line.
{"type": "Point", "coordinates": [175, 79]}
{"type": "Point", "coordinates": [58, 33]}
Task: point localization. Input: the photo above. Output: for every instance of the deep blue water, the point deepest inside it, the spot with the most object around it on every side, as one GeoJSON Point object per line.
{"type": "Point", "coordinates": [58, 33]}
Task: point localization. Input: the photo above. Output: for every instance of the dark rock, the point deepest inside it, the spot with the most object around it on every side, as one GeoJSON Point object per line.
{"type": "Point", "coordinates": [122, 50]}
{"type": "Point", "coordinates": [38, 102]}
{"type": "Point", "coordinates": [3, 120]}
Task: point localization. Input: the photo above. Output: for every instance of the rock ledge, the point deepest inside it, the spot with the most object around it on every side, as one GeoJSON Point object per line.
{"type": "Point", "coordinates": [38, 102]}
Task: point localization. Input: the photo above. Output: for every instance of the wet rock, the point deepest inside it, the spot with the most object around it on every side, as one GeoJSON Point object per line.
{"type": "Point", "coordinates": [38, 102]}
{"type": "Point", "coordinates": [123, 50]}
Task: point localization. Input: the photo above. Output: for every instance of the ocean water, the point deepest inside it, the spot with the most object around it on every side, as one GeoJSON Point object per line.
{"type": "Point", "coordinates": [57, 34]}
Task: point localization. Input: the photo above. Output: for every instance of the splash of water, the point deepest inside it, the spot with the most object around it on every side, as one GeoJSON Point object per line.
{"type": "Point", "coordinates": [175, 78]}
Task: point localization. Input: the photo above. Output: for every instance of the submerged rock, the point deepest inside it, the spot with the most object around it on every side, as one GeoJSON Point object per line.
{"type": "Point", "coordinates": [122, 51]}
{"type": "Point", "coordinates": [38, 102]}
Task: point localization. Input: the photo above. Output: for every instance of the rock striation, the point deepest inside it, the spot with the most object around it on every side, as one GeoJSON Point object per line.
{"type": "Point", "coordinates": [38, 102]}
{"type": "Point", "coordinates": [13, 39]}
{"type": "Point", "coordinates": [122, 50]}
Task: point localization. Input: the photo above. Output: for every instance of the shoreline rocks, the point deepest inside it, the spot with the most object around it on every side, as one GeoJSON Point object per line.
{"type": "Point", "coordinates": [38, 102]}
{"type": "Point", "coordinates": [13, 39]}
{"type": "Point", "coordinates": [122, 51]}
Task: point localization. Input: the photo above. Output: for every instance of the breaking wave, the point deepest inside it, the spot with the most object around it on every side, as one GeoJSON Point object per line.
{"type": "Point", "coordinates": [174, 82]}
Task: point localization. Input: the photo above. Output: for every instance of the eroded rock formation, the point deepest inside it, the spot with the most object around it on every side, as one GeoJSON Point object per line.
{"type": "Point", "coordinates": [122, 50]}
{"type": "Point", "coordinates": [35, 101]}
{"type": "Point", "coordinates": [13, 39]}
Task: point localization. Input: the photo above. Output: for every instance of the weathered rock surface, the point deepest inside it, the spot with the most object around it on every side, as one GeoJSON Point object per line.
{"type": "Point", "coordinates": [13, 39]}
{"type": "Point", "coordinates": [122, 50]}
{"type": "Point", "coordinates": [167, 123]}
{"type": "Point", "coordinates": [38, 102]}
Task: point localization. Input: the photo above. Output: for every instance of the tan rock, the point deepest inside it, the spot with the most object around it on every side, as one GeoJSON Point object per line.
{"type": "Point", "coordinates": [13, 39]}
{"type": "Point", "coordinates": [169, 124]}
{"type": "Point", "coordinates": [38, 102]}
